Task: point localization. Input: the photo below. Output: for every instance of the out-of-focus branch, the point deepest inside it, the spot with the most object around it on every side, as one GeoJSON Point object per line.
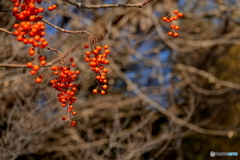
{"type": "Point", "coordinates": [93, 38]}
{"type": "Point", "coordinates": [47, 65]}
{"type": "Point", "coordinates": [208, 76]}
{"type": "Point", "coordinates": [166, 112]}
{"type": "Point", "coordinates": [84, 6]}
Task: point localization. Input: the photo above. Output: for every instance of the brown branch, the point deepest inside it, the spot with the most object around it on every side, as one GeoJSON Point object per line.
{"type": "Point", "coordinates": [93, 38]}
{"type": "Point", "coordinates": [167, 112]}
{"type": "Point", "coordinates": [47, 65]}
{"type": "Point", "coordinates": [209, 76]}
{"type": "Point", "coordinates": [6, 31]}
{"type": "Point", "coordinates": [85, 6]}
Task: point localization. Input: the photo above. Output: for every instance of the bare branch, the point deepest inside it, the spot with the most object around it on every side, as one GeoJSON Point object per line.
{"type": "Point", "coordinates": [47, 65]}
{"type": "Point", "coordinates": [84, 6]}
{"type": "Point", "coordinates": [6, 31]}
{"type": "Point", "coordinates": [166, 112]}
{"type": "Point", "coordinates": [208, 76]}
{"type": "Point", "coordinates": [93, 38]}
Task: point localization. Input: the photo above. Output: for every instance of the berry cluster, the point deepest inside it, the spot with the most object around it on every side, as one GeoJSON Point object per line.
{"type": "Point", "coordinates": [36, 68]}
{"type": "Point", "coordinates": [50, 8]}
{"type": "Point", "coordinates": [66, 88]}
{"type": "Point", "coordinates": [29, 30]}
{"type": "Point", "coordinates": [173, 27]}
{"type": "Point", "coordinates": [96, 58]}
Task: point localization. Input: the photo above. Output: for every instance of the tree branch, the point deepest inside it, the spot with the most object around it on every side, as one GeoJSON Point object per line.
{"type": "Point", "coordinates": [47, 65]}
{"type": "Point", "coordinates": [85, 6]}
{"type": "Point", "coordinates": [6, 31]}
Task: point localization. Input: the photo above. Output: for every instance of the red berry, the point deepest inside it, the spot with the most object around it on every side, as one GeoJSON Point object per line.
{"type": "Point", "coordinates": [176, 27]}
{"type": "Point", "coordinates": [41, 58]}
{"type": "Point", "coordinates": [98, 48]}
{"type": "Point", "coordinates": [29, 65]}
{"type": "Point", "coordinates": [16, 25]}
{"type": "Point", "coordinates": [180, 14]}
{"type": "Point", "coordinates": [103, 92]}
{"type": "Point", "coordinates": [77, 72]}
{"type": "Point", "coordinates": [36, 67]}
{"type": "Point", "coordinates": [175, 17]}
{"type": "Point", "coordinates": [38, 80]}
{"type": "Point", "coordinates": [64, 117]}
{"type": "Point", "coordinates": [176, 11]}
{"type": "Point", "coordinates": [86, 46]}
{"type": "Point", "coordinates": [74, 113]}
{"type": "Point", "coordinates": [43, 63]}
{"type": "Point", "coordinates": [104, 86]}
{"type": "Point", "coordinates": [71, 59]}
{"type": "Point", "coordinates": [172, 26]}
{"type": "Point", "coordinates": [105, 70]}
{"type": "Point", "coordinates": [40, 9]}
{"type": "Point", "coordinates": [95, 91]}
{"type": "Point", "coordinates": [71, 107]}
{"type": "Point", "coordinates": [54, 6]}
{"type": "Point", "coordinates": [105, 46]}
{"type": "Point", "coordinates": [50, 8]}
{"type": "Point", "coordinates": [164, 18]}
{"type": "Point", "coordinates": [175, 34]}
{"type": "Point", "coordinates": [107, 51]}
{"type": "Point", "coordinates": [74, 64]}
{"type": "Point", "coordinates": [33, 72]}
{"type": "Point", "coordinates": [170, 33]}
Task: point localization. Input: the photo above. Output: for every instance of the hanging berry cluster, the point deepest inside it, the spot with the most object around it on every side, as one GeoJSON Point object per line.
{"type": "Point", "coordinates": [36, 68]}
{"type": "Point", "coordinates": [30, 29]}
{"type": "Point", "coordinates": [96, 59]}
{"type": "Point", "coordinates": [170, 19]}
{"type": "Point", "coordinates": [64, 84]}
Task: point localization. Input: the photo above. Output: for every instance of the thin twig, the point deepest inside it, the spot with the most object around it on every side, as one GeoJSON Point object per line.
{"type": "Point", "coordinates": [6, 31]}
{"type": "Point", "coordinates": [93, 38]}
{"type": "Point", "coordinates": [85, 6]}
{"type": "Point", "coordinates": [47, 65]}
{"type": "Point", "coordinates": [167, 112]}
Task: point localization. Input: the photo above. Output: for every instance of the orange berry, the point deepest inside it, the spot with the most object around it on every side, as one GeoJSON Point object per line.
{"type": "Point", "coordinates": [105, 70]}
{"type": "Point", "coordinates": [164, 18]}
{"type": "Point", "coordinates": [95, 91]}
{"type": "Point", "coordinates": [104, 86]}
{"type": "Point", "coordinates": [36, 67]}
{"type": "Point", "coordinates": [175, 34]}
{"type": "Point", "coordinates": [180, 14]}
{"type": "Point", "coordinates": [54, 6]}
{"type": "Point", "coordinates": [176, 27]}
{"type": "Point", "coordinates": [103, 92]}
{"type": "Point", "coordinates": [33, 72]}
{"type": "Point", "coordinates": [50, 8]}
{"type": "Point", "coordinates": [29, 65]}
{"type": "Point", "coordinates": [43, 63]}
{"type": "Point", "coordinates": [172, 26]}
{"type": "Point", "coordinates": [74, 64]}
{"type": "Point", "coordinates": [74, 113]}
{"type": "Point", "coordinates": [170, 33]}
{"type": "Point", "coordinates": [98, 48]}
{"type": "Point", "coordinates": [175, 17]}
{"type": "Point", "coordinates": [38, 80]}
{"type": "Point", "coordinates": [105, 46]}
